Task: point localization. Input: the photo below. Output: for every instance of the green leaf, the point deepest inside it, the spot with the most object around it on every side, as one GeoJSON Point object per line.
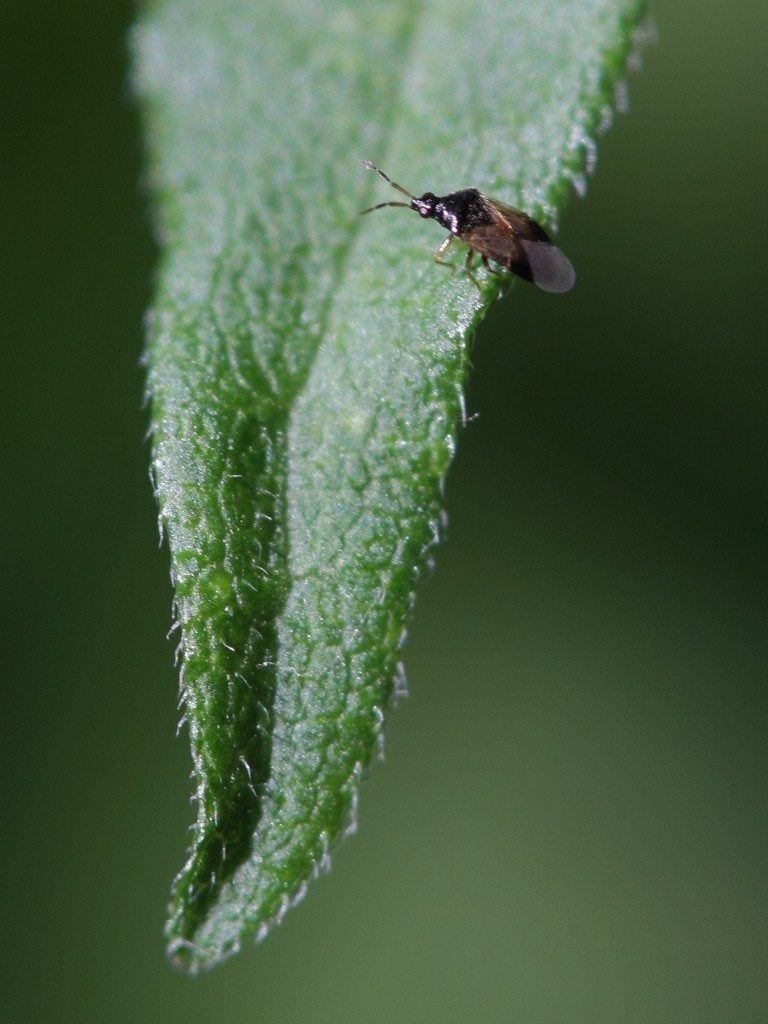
{"type": "Point", "coordinates": [306, 370]}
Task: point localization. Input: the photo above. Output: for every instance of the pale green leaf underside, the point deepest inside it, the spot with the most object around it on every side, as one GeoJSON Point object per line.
{"type": "Point", "coordinates": [306, 369]}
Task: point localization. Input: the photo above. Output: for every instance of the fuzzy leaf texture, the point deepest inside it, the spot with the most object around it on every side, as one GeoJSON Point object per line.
{"type": "Point", "coordinates": [306, 369]}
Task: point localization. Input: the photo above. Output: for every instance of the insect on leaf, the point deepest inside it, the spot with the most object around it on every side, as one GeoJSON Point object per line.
{"type": "Point", "coordinates": [306, 368]}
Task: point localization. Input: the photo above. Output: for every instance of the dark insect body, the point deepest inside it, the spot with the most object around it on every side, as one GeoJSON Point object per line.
{"type": "Point", "coordinates": [492, 230]}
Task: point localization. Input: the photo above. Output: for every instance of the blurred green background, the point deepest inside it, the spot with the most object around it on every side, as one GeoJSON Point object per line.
{"type": "Point", "coordinates": [571, 823]}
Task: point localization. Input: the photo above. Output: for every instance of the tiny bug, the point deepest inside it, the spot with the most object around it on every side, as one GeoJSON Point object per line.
{"type": "Point", "coordinates": [492, 230]}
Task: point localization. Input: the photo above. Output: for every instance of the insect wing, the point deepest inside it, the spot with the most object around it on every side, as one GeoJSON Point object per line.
{"type": "Point", "coordinates": [516, 221]}
{"type": "Point", "coordinates": [521, 244]}
{"type": "Point", "coordinates": [550, 268]}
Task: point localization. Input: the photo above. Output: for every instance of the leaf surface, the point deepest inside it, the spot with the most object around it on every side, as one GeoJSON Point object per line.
{"type": "Point", "coordinates": [306, 369]}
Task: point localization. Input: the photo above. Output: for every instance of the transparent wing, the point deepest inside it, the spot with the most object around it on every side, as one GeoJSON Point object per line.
{"type": "Point", "coordinates": [550, 268]}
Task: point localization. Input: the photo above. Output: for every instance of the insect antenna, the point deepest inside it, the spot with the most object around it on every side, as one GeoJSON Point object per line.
{"type": "Point", "coordinates": [378, 206]}
{"type": "Point", "coordinates": [372, 167]}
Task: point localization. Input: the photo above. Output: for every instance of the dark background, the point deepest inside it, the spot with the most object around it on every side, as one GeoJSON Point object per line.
{"type": "Point", "coordinates": [571, 822]}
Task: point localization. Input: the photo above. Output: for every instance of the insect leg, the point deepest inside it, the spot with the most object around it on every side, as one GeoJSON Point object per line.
{"type": "Point", "coordinates": [491, 270]}
{"type": "Point", "coordinates": [443, 248]}
{"type": "Point", "coordinates": [468, 268]}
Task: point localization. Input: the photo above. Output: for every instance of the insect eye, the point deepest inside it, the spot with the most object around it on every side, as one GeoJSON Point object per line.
{"type": "Point", "coordinates": [427, 204]}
